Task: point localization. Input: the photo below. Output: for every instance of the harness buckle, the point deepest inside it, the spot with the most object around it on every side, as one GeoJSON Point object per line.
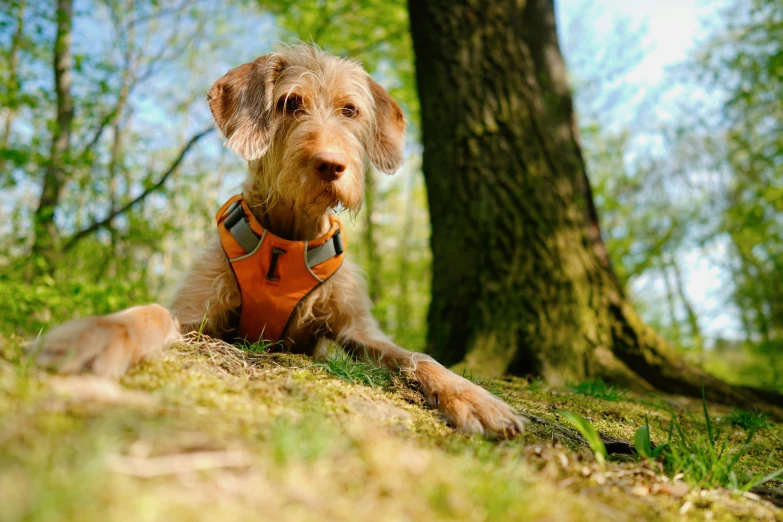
{"type": "Point", "coordinates": [270, 275]}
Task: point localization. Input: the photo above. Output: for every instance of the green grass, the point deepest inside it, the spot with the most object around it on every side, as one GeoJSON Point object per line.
{"type": "Point", "coordinates": [704, 455]}
{"type": "Point", "coordinates": [590, 434]}
{"type": "Point", "coordinates": [258, 347]}
{"type": "Point", "coordinates": [311, 454]}
{"type": "Point", "coordinates": [345, 367]}
{"type": "Point", "coordinates": [709, 457]}
{"type": "Point", "coordinates": [598, 389]}
{"type": "Point", "coordinates": [748, 420]}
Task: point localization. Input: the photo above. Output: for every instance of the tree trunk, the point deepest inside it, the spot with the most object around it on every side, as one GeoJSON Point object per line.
{"type": "Point", "coordinates": [372, 259]}
{"type": "Point", "coordinates": [693, 322]}
{"type": "Point", "coordinates": [675, 323]}
{"type": "Point", "coordinates": [521, 278]}
{"type": "Point", "coordinates": [403, 298]}
{"type": "Point", "coordinates": [13, 80]}
{"type": "Point", "coordinates": [44, 247]}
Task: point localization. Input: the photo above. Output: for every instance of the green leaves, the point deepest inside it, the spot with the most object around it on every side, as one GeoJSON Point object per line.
{"type": "Point", "coordinates": [643, 444]}
{"type": "Point", "coordinates": [590, 434]}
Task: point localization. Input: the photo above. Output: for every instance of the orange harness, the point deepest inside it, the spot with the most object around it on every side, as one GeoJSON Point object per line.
{"type": "Point", "coordinates": [274, 274]}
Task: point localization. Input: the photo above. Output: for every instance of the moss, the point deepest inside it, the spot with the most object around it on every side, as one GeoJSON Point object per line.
{"type": "Point", "coordinates": [314, 447]}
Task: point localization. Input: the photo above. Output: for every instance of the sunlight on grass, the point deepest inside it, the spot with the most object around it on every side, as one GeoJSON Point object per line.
{"type": "Point", "coordinates": [345, 367]}
{"type": "Point", "coordinates": [598, 389]}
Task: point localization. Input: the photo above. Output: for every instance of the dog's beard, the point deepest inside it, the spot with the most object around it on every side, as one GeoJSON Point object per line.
{"type": "Point", "coordinates": [326, 197]}
{"type": "Point", "coordinates": [317, 199]}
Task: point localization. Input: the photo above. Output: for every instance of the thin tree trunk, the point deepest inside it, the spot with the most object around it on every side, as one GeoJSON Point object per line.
{"type": "Point", "coordinates": [55, 175]}
{"type": "Point", "coordinates": [370, 243]}
{"type": "Point", "coordinates": [13, 78]}
{"type": "Point", "coordinates": [671, 303]}
{"type": "Point", "coordinates": [403, 299]}
{"type": "Point", "coordinates": [118, 129]}
{"type": "Point", "coordinates": [521, 279]}
{"type": "Point", "coordinates": [693, 320]}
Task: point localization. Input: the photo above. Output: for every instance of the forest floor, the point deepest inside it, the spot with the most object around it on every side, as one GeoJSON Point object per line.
{"type": "Point", "coordinates": [209, 432]}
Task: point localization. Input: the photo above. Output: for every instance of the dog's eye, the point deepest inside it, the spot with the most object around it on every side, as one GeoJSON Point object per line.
{"type": "Point", "coordinates": [290, 103]}
{"type": "Point", "coordinates": [349, 111]}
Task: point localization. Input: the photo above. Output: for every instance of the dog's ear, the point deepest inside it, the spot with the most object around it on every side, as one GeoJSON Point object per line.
{"type": "Point", "coordinates": [386, 150]}
{"type": "Point", "coordinates": [241, 103]}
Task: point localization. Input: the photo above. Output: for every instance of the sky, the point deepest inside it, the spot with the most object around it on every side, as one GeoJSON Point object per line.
{"type": "Point", "coordinates": [670, 30]}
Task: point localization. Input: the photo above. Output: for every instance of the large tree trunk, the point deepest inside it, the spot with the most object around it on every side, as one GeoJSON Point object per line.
{"type": "Point", "coordinates": [54, 179]}
{"type": "Point", "coordinates": [521, 279]}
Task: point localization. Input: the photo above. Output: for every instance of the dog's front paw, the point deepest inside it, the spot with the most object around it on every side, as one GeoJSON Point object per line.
{"type": "Point", "coordinates": [473, 409]}
{"type": "Point", "coordinates": [107, 345]}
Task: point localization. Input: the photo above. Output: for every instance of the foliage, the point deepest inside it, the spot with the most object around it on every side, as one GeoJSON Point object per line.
{"type": "Point", "coordinates": [589, 432]}
{"type": "Point", "coordinates": [707, 458]}
{"type": "Point", "coordinates": [643, 444]}
{"type": "Point", "coordinates": [699, 185]}
{"type": "Point", "coordinates": [742, 62]}
{"type": "Point", "coordinates": [599, 389]}
{"type": "Point", "coordinates": [748, 420]}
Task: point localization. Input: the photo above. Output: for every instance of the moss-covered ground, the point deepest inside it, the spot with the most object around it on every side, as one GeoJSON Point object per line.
{"type": "Point", "coordinates": [208, 432]}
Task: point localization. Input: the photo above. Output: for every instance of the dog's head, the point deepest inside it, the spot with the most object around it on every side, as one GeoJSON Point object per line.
{"type": "Point", "coordinates": [308, 123]}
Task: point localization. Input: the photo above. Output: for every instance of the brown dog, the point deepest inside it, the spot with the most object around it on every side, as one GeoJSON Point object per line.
{"type": "Point", "coordinates": [308, 123]}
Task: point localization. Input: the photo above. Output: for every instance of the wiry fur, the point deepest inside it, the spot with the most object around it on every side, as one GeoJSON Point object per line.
{"type": "Point", "coordinates": [278, 112]}
{"type": "Point", "coordinates": [109, 344]}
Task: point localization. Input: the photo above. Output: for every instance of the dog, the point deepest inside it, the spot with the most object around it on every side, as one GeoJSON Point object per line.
{"type": "Point", "coordinates": [308, 123]}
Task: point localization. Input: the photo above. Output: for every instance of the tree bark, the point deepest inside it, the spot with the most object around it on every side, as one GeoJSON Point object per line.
{"type": "Point", "coordinates": [522, 281]}
{"type": "Point", "coordinates": [55, 174]}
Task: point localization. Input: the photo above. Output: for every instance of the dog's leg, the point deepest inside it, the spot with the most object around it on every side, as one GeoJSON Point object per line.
{"type": "Point", "coordinates": [108, 345]}
{"type": "Point", "coordinates": [471, 408]}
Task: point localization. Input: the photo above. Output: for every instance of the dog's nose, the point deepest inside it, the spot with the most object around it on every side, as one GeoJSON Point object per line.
{"type": "Point", "coordinates": [330, 165]}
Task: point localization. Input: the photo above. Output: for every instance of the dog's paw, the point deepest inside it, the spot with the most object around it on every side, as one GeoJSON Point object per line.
{"type": "Point", "coordinates": [473, 409]}
{"type": "Point", "coordinates": [107, 345]}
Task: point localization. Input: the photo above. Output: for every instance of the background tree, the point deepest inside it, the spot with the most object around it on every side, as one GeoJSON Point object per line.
{"type": "Point", "coordinates": [522, 281]}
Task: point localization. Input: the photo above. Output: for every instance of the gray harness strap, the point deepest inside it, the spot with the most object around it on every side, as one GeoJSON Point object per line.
{"type": "Point", "coordinates": [332, 247]}
{"type": "Point", "coordinates": [239, 228]}
{"type": "Point", "coordinates": [236, 223]}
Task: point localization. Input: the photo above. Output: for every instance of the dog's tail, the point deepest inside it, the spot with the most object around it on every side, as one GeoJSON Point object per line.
{"type": "Point", "coordinates": [109, 344]}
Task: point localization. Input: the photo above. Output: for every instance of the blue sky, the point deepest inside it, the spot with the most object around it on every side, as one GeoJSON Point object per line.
{"type": "Point", "coordinates": [669, 30]}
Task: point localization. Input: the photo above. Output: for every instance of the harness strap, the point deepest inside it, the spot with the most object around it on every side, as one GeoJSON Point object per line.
{"type": "Point", "coordinates": [333, 247]}
{"type": "Point", "coordinates": [237, 224]}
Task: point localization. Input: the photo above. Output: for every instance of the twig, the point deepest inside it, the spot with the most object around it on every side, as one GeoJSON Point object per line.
{"type": "Point", "coordinates": [173, 167]}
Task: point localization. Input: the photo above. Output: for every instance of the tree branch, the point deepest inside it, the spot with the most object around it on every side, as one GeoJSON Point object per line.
{"type": "Point", "coordinates": [97, 225]}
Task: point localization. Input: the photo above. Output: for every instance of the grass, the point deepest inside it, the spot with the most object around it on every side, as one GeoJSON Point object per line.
{"type": "Point", "coordinates": [709, 458]}
{"type": "Point", "coordinates": [345, 367]}
{"type": "Point", "coordinates": [704, 458]}
{"type": "Point", "coordinates": [748, 420]}
{"type": "Point", "coordinates": [599, 389]}
{"type": "Point", "coordinates": [260, 347]}
{"type": "Point", "coordinates": [229, 433]}
{"type": "Point", "coordinates": [590, 434]}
